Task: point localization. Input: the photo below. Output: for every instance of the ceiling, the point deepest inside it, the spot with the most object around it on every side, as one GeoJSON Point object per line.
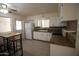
{"type": "Point", "coordinates": [27, 9]}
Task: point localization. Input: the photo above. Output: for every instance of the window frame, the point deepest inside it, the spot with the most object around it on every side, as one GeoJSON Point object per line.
{"type": "Point", "coordinates": [41, 23]}
{"type": "Point", "coordinates": [17, 28]}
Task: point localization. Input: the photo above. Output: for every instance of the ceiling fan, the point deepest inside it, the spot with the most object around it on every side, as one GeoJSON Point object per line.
{"type": "Point", "coordinates": [11, 10]}
{"type": "Point", "coordinates": [5, 8]}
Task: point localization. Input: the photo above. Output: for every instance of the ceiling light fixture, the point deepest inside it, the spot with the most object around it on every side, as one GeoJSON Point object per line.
{"type": "Point", "coordinates": [3, 8]}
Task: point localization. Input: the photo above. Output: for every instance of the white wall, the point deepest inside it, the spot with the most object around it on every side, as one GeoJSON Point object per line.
{"type": "Point", "coordinates": [5, 25]}
{"type": "Point", "coordinates": [13, 18]}
{"type": "Point", "coordinates": [58, 50]}
{"type": "Point", "coordinates": [39, 16]}
{"type": "Point", "coordinates": [77, 40]}
{"type": "Point", "coordinates": [53, 17]}
{"type": "Point", "coordinates": [11, 15]}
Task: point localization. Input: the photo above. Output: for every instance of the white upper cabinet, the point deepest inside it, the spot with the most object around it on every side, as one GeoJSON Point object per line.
{"type": "Point", "coordinates": [67, 12]}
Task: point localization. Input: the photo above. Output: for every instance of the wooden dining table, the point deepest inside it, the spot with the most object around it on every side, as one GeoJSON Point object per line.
{"type": "Point", "coordinates": [10, 42]}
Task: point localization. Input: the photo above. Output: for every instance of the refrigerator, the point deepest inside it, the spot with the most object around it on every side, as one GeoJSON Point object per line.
{"type": "Point", "coordinates": [29, 30]}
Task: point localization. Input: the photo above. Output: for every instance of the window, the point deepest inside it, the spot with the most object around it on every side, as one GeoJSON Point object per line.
{"type": "Point", "coordinates": [5, 24]}
{"type": "Point", "coordinates": [39, 23]}
{"type": "Point", "coordinates": [43, 23]}
{"type": "Point", "coordinates": [18, 25]}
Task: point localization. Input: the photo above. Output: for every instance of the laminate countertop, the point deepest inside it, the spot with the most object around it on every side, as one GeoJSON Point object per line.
{"type": "Point", "coordinates": [60, 40]}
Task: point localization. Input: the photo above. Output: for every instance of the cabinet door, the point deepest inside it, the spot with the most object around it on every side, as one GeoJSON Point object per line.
{"type": "Point", "coordinates": [40, 35]}
{"type": "Point", "coordinates": [57, 50]}
{"type": "Point", "coordinates": [46, 36]}
{"type": "Point", "coordinates": [35, 35]}
{"type": "Point", "coordinates": [49, 36]}
{"type": "Point", "coordinates": [68, 12]}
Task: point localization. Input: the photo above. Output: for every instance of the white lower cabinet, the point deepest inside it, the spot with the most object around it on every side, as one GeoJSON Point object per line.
{"type": "Point", "coordinates": [57, 50]}
{"type": "Point", "coordinates": [45, 36]}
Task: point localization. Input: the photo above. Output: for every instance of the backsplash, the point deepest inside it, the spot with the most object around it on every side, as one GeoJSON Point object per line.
{"type": "Point", "coordinates": [72, 25]}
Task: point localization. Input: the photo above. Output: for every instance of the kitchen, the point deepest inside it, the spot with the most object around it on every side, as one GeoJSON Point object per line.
{"type": "Point", "coordinates": [60, 32]}
{"type": "Point", "coordinates": [55, 25]}
{"type": "Point", "coordinates": [57, 34]}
